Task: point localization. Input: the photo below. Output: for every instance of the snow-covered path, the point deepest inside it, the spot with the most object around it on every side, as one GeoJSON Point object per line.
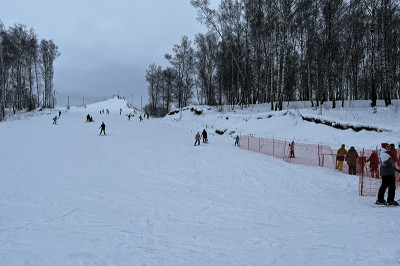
{"type": "Point", "coordinates": [144, 195]}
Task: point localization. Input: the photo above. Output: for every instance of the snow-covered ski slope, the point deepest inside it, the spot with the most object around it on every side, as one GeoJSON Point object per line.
{"type": "Point", "coordinates": [144, 195]}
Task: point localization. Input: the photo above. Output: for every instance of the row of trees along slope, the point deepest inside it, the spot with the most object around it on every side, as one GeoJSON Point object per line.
{"type": "Point", "coordinates": [271, 51]}
{"type": "Point", "coordinates": [26, 69]}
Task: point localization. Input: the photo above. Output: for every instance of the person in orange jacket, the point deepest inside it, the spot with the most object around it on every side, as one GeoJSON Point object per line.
{"type": "Point", "coordinates": [341, 153]}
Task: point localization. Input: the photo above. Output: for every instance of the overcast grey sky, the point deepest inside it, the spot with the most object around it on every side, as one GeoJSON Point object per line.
{"type": "Point", "coordinates": [105, 46]}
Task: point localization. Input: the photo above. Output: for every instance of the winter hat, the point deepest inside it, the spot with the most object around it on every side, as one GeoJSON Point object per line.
{"type": "Point", "coordinates": [384, 144]}
{"type": "Point", "coordinates": [343, 145]}
{"type": "Point", "coordinates": [352, 148]}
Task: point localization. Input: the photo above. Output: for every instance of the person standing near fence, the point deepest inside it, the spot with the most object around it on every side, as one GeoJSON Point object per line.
{"type": "Point", "coordinates": [351, 159]}
{"type": "Point", "coordinates": [204, 134]}
{"type": "Point", "coordinates": [374, 164]}
{"type": "Point", "coordinates": [341, 153]}
{"type": "Point", "coordinates": [237, 140]}
{"type": "Point", "coordinates": [387, 170]}
{"type": "Point", "coordinates": [291, 146]}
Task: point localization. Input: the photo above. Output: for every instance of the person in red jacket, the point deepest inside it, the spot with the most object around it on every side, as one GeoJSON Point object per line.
{"type": "Point", "coordinates": [374, 164]}
{"type": "Point", "coordinates": [197, 138]}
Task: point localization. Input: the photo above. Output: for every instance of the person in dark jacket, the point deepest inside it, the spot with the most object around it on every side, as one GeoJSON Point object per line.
{"type": "Point", "coordinates": [197, 139]}
{"type": "Point", "coordinates": [204, 134]}
{"type": "Point", "coordinates": [103, 129]}
{"type": "Point", "coordinates": [351, 159]}
{"type": "Point", "coordinates": [237, 140]}
{"type": "Point", "coordinates": [388, 170]}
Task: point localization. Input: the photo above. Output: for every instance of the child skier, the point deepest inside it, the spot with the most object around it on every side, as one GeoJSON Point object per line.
{"type": "Point", "coordinates": [197, 138]}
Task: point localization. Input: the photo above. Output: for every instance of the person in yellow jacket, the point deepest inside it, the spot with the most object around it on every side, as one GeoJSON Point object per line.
{"type": "Point", "coordinates": [341, 153]}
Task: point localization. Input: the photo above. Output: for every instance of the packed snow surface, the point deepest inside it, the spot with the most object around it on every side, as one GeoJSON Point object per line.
{"type": "Point", "coordinates": [145, 195]}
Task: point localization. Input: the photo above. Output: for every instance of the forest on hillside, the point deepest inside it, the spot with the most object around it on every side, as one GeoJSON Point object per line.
{"type": "Point", "coordinates": [26, 69]}
{"type": "Point", "coordinates": [272, 51]}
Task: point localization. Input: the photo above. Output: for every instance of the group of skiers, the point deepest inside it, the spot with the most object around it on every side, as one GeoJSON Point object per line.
{"type": "Point", "coordinates": [203, 135]}
{"type": "Point", "coordinates": [198, 137]}
{"type": "Point", "coordinates": [384, 163]}
{"type": "Point", "coordinates": [107, 111]}
{"type": "Point", "coordinates": [350, 157]}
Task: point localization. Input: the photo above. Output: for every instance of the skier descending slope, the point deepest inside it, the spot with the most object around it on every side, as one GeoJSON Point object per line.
{"type": "Point", "coordinates": [103, 128]}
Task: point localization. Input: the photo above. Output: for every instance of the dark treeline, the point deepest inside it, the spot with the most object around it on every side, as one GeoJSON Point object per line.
{"type": "Point", "coordinates": [26, 69]}
{"type": "Point", "coordinates": [272, 51]}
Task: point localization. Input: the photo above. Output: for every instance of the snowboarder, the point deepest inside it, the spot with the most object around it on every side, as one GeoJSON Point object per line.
{"type": "Point", "coordinates": [140, 118]}
{"type": "Point", "coordinates": [120, 111]}
{"type": "Point", "coordinates": [351, 159]}
{"type": "Point", "coordinates": [55, 120]}
{"type": "Point", "coordinates": [374, 164]}
{"type": "Point", "coordinates": [387, 170]}
{"type": "Point", "coordinates": [237, 140]}
{"type": "Point", "coordinates": [197, 138]}
{"type": "Point", "coordinates": [87, 118]}
{"type": "Point", "coordinates": [103, 128]}
{"type": "Point", "coordinates": [204, 134]}
{"type": "Point", "coordinates": [341, 153]}
{"type": "Point", "coordinates": [59, 113]}
{"type": "Point", "coordinates": [291, 146]}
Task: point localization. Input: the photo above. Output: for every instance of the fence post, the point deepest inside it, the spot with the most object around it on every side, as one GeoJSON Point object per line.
{"type": "Point", "coordinates": [273, 146]}
{"type": "Point", "coordinates": [362, 173]}
{"type": "Point", "coordinates": [319, 158]}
